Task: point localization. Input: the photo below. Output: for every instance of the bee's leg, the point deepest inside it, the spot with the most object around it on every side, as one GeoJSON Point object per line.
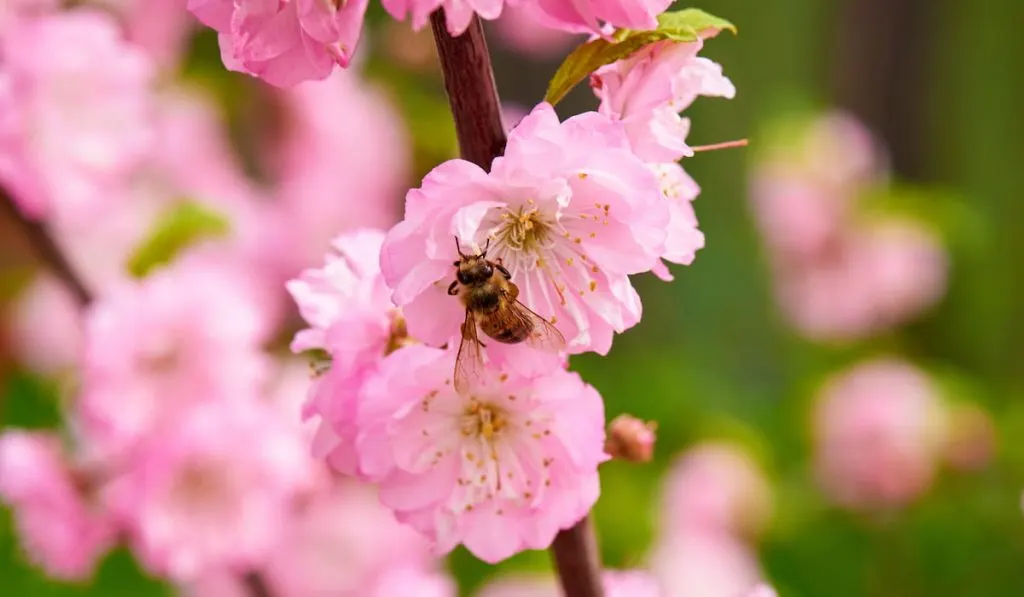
{"type": "Point", "coordinates": [453, 288]}
{"type": "Point", "coordinates": [503, 270]}
{"type": "Point", "coordinates": [462, 332]}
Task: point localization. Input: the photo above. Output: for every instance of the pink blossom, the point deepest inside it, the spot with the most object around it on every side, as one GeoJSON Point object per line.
{"type": "Point", "coordinates": [201, 495]}
{"type": "Point", "coordinates": [617, 583]}
{"type": "Point", "coordinates": [60, 529]}
{"type": "Point", "coordinates": [458, 13]}
{"type": "Point", "coordinates": [413, 581]}
{"type": "Point", "coordinates": [648, 90]}
{"type": "Point", "coordinates": [875, 277]}
{"type": "Point", "coordinates": [343, 543]}
{"type": "Point", "coordinates": [588, 16]}
{"type": "Point", "coordinates": [17, 9]}
{"type": "Point", "coordinates": [705, 565]}
{"type": "Point", "coordinates": [45, 326]}
{"type": "Point", "coordinates": [683, 238]}
{"type": "Point", "coordinates": [343, 162]}
{"type": "Point", "coordinates": [716, 488]}
{"type": "Point", "coordinates": [160, 27]}
{"type": "Point", "coordinates": [763, 590]}
{"type": "Point", "coordinates": [74, 112]}
{"type": "Point", "coordinates": [500, 469]}
{"type": "Point", "coordinates": [186, 334]}
{"type": "Point", "coordinates": [350, 314]}
{"type": "Point", "coordinates": [806, 194]}
{"type": "Point", "coordinates": [522, 30]}
{"type": "Point", "coordinates": [569, 210]}
{"type": "Point", "coordinates": [284, 43]}
{"type": "Point", "coordinates": [879, 431]}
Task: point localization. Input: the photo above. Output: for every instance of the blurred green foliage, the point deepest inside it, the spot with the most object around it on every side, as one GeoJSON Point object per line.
{"type": "Point", "coordinates": [712, 358]}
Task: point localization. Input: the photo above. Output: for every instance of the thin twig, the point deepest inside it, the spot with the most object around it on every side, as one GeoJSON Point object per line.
{"type": "Point", "coordinates": [48, 251]}
{"type": "Point", "coordinates": [469, 80]}
{"type": "Point", "coordinates": [578, 561]}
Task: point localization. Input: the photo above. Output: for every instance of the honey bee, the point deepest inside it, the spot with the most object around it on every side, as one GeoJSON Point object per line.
{"type": "Point", "coordinates": [486, 290]}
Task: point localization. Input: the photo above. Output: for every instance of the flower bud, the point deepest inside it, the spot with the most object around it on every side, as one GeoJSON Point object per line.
{"type": "Point", "coordinates": [631, 439]}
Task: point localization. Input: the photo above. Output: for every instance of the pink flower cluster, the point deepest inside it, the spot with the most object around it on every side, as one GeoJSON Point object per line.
{"type": "Point", "coordinates": [571, 209]}
{"type": "Point", "coordinates": [182, 438]}
{"type": "Point", "coordinates": [842, 272]}
{"type": "Point", "coordinates": [715, 503]}
{"type": "Point", "coordinates": [882, 429]}
{"type": "Point", "coordinates": [285, 42]}
{"type": "Point", "coordinates": [500, 468]}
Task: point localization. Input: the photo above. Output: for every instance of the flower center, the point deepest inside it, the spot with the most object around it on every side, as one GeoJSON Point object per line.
{"type": "Point", "coordinates": [524, 229]}
{"type": "Point", "coordinates": [482, 421]}
{"type": "Point", "coordinates": [201, 489]}
{"type": "Point", "coordinates": [160, 359]}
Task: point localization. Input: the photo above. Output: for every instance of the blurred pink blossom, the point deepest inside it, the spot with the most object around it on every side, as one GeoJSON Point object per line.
{"type": "Point", "coordinates": [520, 29]}
{"type": "Point", "coordinates": [60, 529]}
{"type": "Point", "coordinates": [716, 488]}
{"type": "Point", "coordinates": [648, 90]}
{"type": "Point", "coordinates": [343, 543]}
{"type": "Point", "coordinates": [617, 583]}
{"type": "Point", "coordinates": [160, 27]}
{"type": "Point", "coordinates": [350, 314]}
{"type": "Point", "coordinates": [200, 495]}
{"type": "Point", "coordinates": [877, 277]}
{"type": "Point", "coordinates": [45, 326]}
{"type": "Point", "coordinates": [568, 209]}
{"type": "Point", "coordinates": [413, 581]}
{"type": "Point", "coordinates": [458, 13]}
{"type": "Point", "coordinates": [187, 333]}
{"type": "Point", "coordinates": [705, 565]}
{"type": "Point", "coordinates": [588, 16]}
{"type": "Point", "coordinates": [12, 10]}
{"type": "Point", "coordinates": [879, 429]}
{"type": "Point", "coordinates": [75, 112]}
{"type": "Point", "coordinates": [500, 470]}
{"type": "Point", "coordinates": [284, 43]}
{"type": "Point", "coordinates": [343, 163]}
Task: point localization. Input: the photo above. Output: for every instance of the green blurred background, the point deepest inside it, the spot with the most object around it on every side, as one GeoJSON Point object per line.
{"type": "Point", "coordinates": [942, 83]}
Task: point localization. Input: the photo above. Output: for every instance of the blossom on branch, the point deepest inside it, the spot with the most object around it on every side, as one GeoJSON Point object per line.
{"type": "Point", "coordinates": [284, 43]}
{"type": "Point", "coordinates": [569, 210]}
{"type": "Point", "coordinates": [60, 529]}
{"type": "Point", "coordinates": [591, 16]}
{"type": "Point", "coordinates": [75, 113]}
{"type": "Point", "coordinates": [499, 469]}
{"type": "Point", "coordinates": [351, 317]}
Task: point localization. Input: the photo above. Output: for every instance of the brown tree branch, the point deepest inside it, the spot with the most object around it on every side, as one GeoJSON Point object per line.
{"type": "Point", "coordinates": [578, 561]}
{"type": "Point", "coordinates": [255, 586]}
{"type": "Point", "coordinates": [48, 251]}
{"type": "Point", "coordinates": [469, 80]}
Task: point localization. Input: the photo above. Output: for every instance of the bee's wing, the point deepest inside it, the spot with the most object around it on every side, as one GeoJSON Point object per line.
{"type": "Point", "coordinates": [543, 336]}
{"type": "Point", "coordinates": [469, 364]}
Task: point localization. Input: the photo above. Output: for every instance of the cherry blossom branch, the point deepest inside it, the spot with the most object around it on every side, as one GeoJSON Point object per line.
{"type": "Point", "coordinates": [469, 80]}
{"type": "Point", "coordinates": [476, 109]}
{"type": "Point", "coordinates": [48, 251]}
{"type": "Point", "coordinates": [578, 561]}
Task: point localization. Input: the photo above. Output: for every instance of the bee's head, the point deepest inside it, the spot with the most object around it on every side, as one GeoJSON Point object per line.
{"type": "Point", "coordinates": [473, 269]}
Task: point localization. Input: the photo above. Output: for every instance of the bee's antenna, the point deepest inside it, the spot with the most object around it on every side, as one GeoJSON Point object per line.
{"type": "Point", "coordinates": [487, 245]}
{"type": "Point", "coordinates": [458, 247]}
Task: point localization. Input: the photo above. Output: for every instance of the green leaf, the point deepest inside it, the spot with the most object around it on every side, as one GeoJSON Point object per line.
{"type": "Point", "coordinates": [182, 226]}
{"type": "Point", "coordinates": [681, 26]}
{"type": "Point", "coordinates": [684, 23]}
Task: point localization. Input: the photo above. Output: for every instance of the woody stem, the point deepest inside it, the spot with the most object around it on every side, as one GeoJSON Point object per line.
{"type": "Point", "coordinates": [469, 81]}
{"type": "Point", "coordinates": [47, 250]}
